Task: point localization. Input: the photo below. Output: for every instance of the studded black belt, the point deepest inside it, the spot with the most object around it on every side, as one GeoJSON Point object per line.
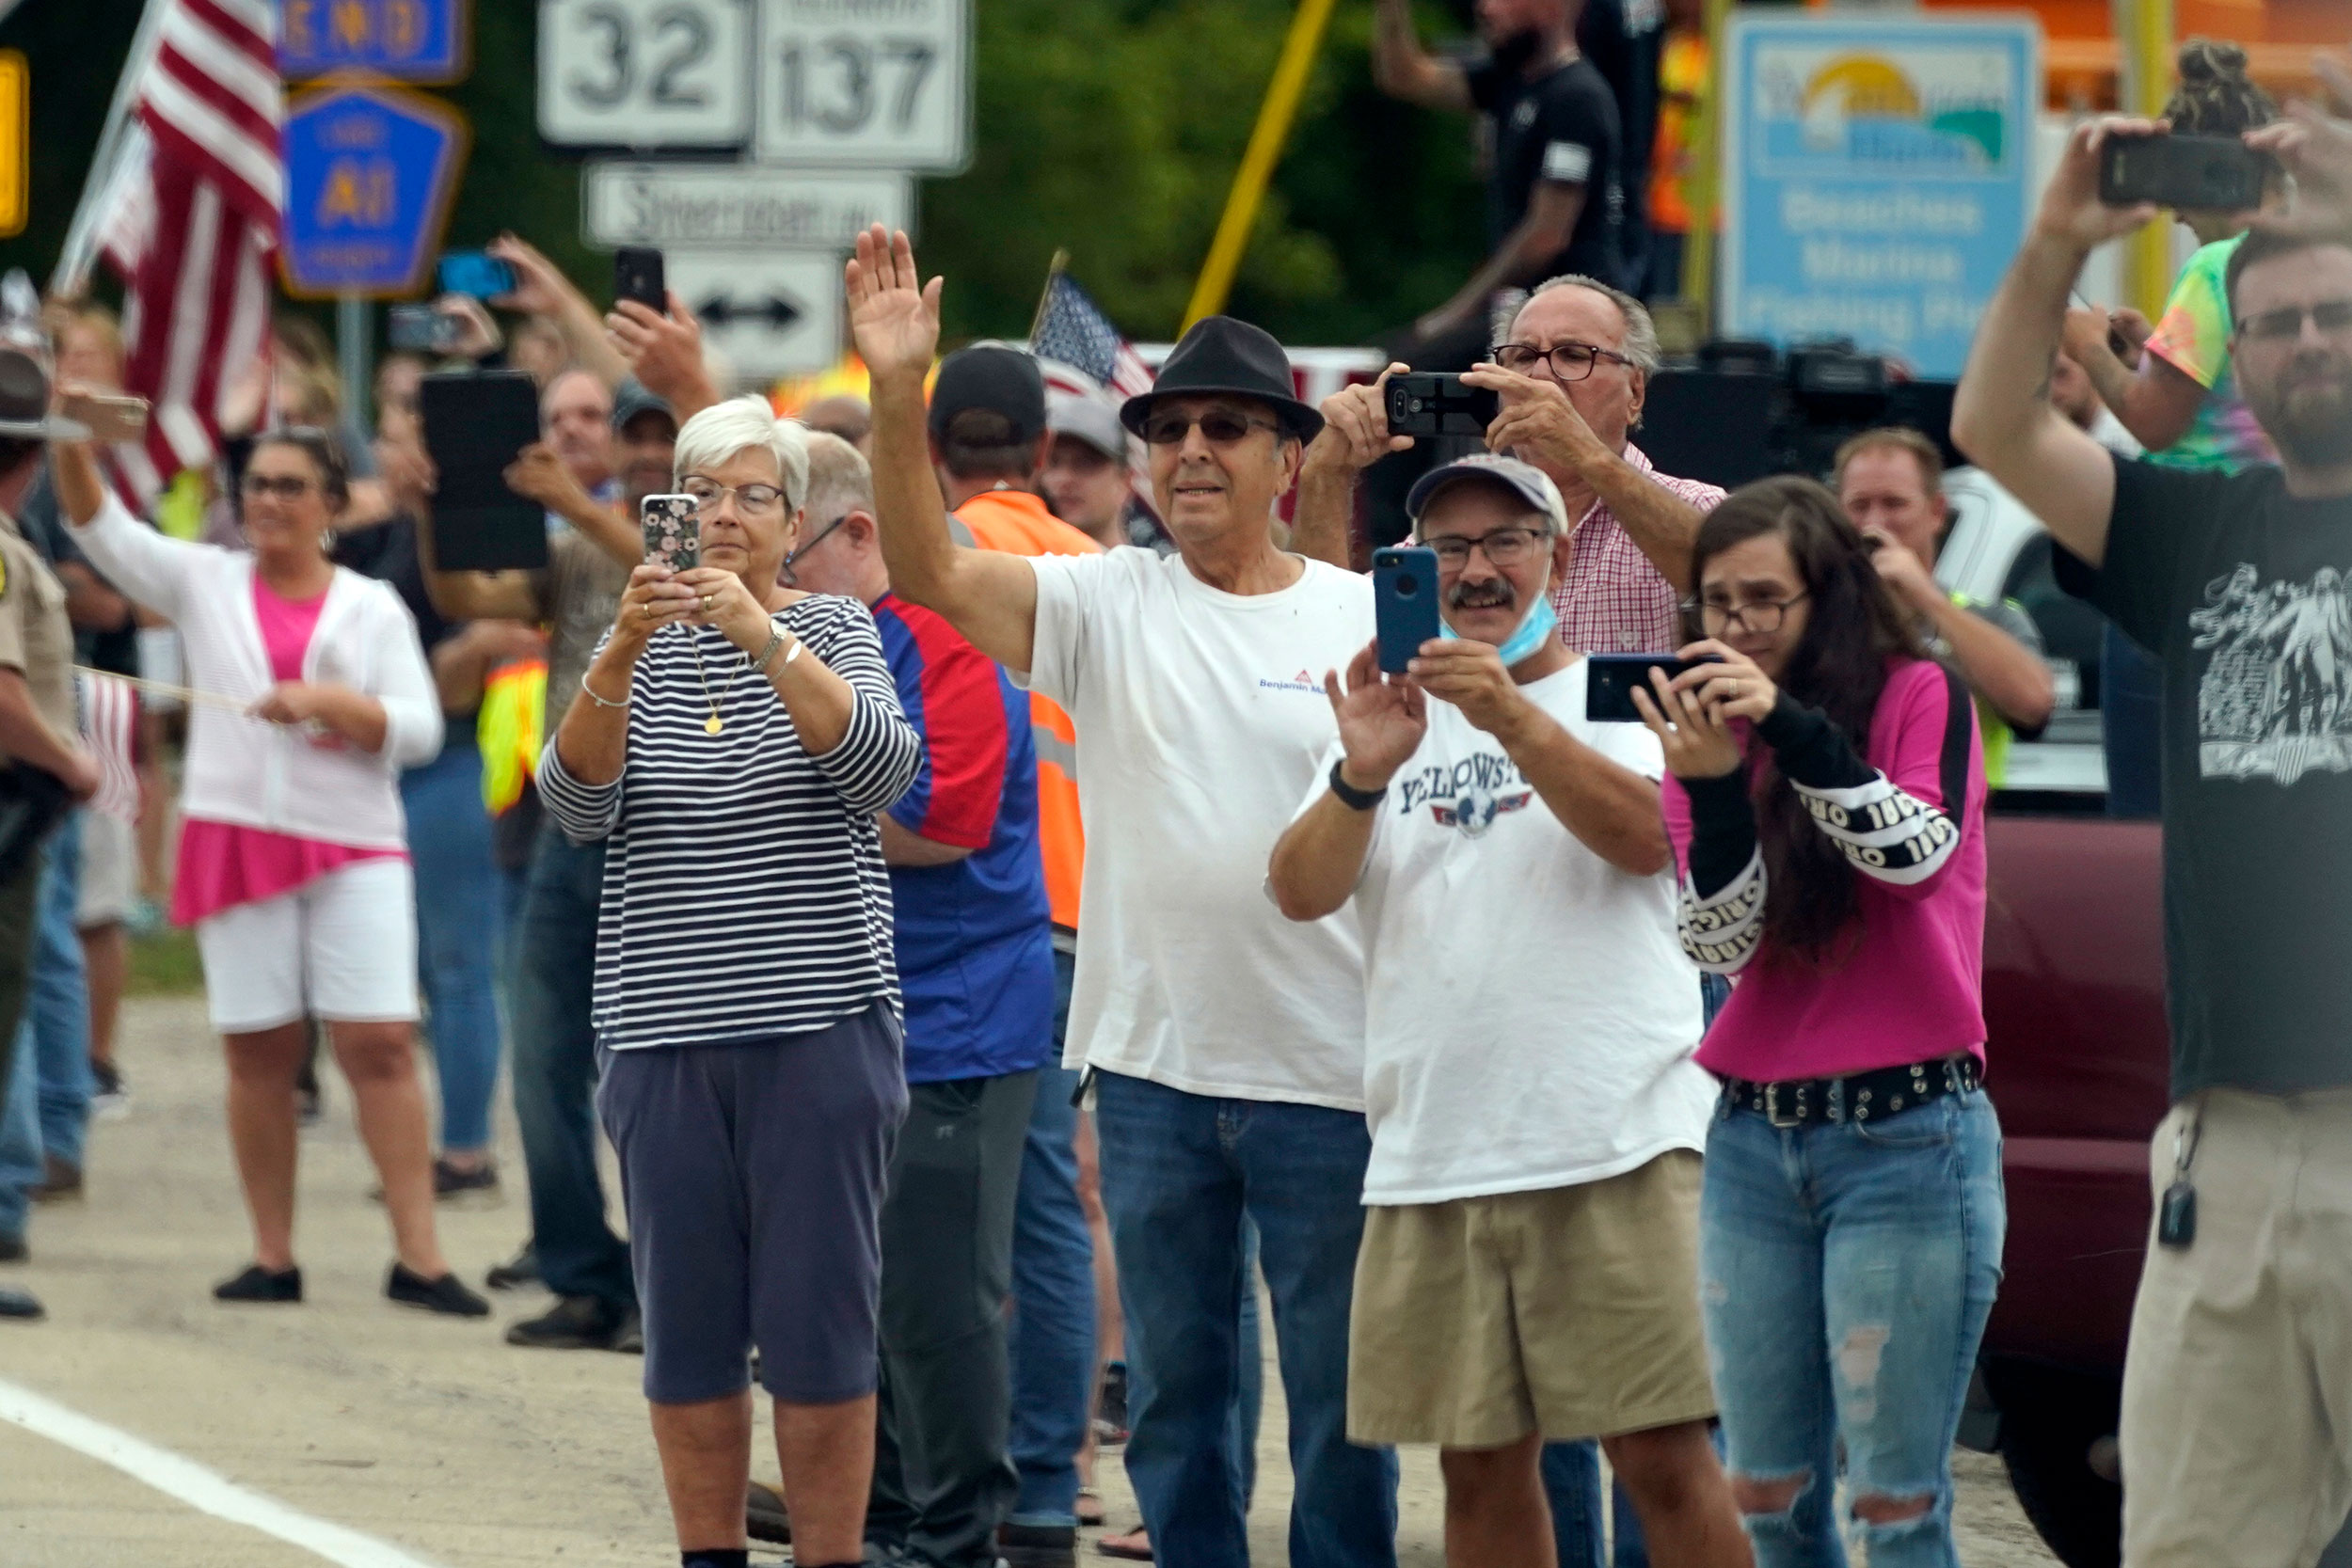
{"type": "Point", "coordinates": [1857, 1097]}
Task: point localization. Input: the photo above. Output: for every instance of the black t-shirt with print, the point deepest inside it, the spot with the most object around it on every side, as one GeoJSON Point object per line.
{"type": "Point", "coordinates": [1560, 127]}
{"type": "Point", "coordinates": [2245, 594]}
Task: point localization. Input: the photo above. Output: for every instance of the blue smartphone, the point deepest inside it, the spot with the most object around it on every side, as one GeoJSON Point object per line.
{"type": "Point", "coordinates": [1404, 602]}
{"type": "Point", "coordinates": [477, 273]}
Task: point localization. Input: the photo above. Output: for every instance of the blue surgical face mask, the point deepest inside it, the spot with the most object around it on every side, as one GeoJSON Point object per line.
{"type": "Point", "coordinates": [1535, 626]}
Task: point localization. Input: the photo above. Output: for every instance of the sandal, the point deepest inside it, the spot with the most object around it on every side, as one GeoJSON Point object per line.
{"type": "Point", "coordinates": [1088, 1509]}
{"type": "Point", "coordinates": [1134, 1547]}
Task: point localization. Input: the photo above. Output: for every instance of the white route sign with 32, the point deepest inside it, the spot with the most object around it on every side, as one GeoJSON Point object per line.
{"type": "Point", "coordinates": [645, 73]}
{"type": "Point", "coordinates": [874, 83]}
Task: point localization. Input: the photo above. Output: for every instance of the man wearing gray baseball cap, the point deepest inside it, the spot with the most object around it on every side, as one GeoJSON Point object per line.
{"type": "Point", "coordinates": [1087, 477]}
{"type": "Point", "coordinates": [1529, 1269]}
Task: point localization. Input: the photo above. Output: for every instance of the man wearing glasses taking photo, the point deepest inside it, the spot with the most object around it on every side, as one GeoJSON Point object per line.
{"type": "Point", "coordinates": [1571, 373]}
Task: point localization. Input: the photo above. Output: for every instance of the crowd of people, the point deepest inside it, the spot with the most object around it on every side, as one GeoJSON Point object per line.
{"type": "Point", "coordinates": [995, 942]}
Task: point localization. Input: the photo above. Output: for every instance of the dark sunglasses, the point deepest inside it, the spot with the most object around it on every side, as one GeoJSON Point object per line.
{"type": "Point", "coordinates": [1223, 426]}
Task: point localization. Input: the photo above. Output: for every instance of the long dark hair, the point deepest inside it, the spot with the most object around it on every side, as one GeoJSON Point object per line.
{"type": "Point", "coordinates": [1852, 629]}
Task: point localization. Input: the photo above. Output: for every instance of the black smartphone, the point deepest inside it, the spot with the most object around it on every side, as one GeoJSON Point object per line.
{"type": "Point", "coordinates": [422, 329]}
{"type": "Point", "coordinates": [1610, 680]}
{"type": "Point", "coordinates": [1424, 403]}
{"type": "Point", "coordinates": [1404, 601]}
{"type": "Point", "coordinates": [2211, 174]}
{"type": "Point", "coordinates": [637, 275]}
{"type": "Point", "coordinates": [674, 531]}
{"type": "Point", "coordinates": [477, 273]}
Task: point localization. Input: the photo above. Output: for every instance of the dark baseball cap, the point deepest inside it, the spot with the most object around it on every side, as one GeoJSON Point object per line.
{"type": "Point", "coordinates": [997, 378]}
{"type": "Point", "coordinates": [630, 398]}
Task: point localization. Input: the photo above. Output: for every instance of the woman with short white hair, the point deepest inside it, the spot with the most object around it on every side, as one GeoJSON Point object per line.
{"type": "Point", "coordinates": [733, 740]}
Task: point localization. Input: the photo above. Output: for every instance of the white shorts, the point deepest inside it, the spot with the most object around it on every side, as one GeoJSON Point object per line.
{"type": "Point", "coordinates": [110, 871]}
{"type": "Point", "coordinates": [342, 946]}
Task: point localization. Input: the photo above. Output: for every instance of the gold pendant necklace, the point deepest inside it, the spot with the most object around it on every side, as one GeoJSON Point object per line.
{"type": "Point", "coordinates": [712, 725]}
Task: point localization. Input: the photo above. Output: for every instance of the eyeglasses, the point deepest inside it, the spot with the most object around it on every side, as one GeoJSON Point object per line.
{"type": "Point", "coordinates": [284, 487]}
{"type": "Point", "coordinates": [1570, 361]}
{"type": "Point", "coordinates": [814, 540]}
{"type": "Point", "coordinates": [1223, 426]}
{"type": "Point", "coordinates": [1505, 546]}
{"type": "Point", "coordinates": [1763, 616]}
{"type": "Point", "coordinates": [2332, 317]}
{"type": "Point", "coordinates": [754, 499]}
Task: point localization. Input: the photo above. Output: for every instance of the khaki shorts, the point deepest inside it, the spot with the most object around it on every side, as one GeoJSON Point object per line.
{"type": "Point", "coordinates": [1572, 1310]}
{"type": "Point", "coordinates": [2237, 1385]}
{"type": "Point", "coordinates": [110, 871]}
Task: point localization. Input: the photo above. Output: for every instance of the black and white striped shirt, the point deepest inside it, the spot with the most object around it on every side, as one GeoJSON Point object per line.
{"type": "Point", "coordinates": [745, 893]}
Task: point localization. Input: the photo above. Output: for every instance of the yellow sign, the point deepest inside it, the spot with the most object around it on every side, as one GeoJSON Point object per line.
{"type": "Point", "coordinates": [16, 140]}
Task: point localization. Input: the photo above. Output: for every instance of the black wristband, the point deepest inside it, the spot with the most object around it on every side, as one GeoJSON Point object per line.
{"type": "Point", "coordinates": [1350, 797]}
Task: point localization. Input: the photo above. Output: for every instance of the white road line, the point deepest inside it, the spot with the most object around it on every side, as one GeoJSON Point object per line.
{"type": "Point", "coordinates": [197, 1486]}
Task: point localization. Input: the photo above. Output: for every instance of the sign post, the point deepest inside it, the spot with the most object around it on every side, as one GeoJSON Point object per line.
{"type": "Point", "coordinates": [1877, 176]}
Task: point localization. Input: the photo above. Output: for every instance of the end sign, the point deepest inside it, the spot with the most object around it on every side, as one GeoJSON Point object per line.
{"type": "Point", "coordinates": [369, 174]}
{"type": "Point", "coordinates": [415, 40]}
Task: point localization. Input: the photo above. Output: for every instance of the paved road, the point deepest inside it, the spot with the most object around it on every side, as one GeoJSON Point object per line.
{"type": "Point", "coordinates": [349, 1415]}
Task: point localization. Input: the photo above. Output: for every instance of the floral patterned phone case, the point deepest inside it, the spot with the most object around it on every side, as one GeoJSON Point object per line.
{"type": "Point", "coordinates": [673, 531]}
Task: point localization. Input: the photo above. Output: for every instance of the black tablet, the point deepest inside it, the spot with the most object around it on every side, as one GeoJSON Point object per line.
{"type": "Point", "coordinates": [475, 423]}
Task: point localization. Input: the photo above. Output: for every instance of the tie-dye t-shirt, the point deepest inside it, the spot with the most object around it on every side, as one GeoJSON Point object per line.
{"type": "Point", "coordinates": [2194, 339]}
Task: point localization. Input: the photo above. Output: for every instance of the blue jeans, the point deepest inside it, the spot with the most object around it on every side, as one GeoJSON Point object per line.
{"type": "Point", "coordinates": [555, 1073]}
{"type": "Point", "coordinates": [21, 1168]}
{"type": "Point", "coordinates": [1180, 1173]}
{"type": "Point", "coordinates": [57, 1007]}
{"type": "Point", "coordinates": [1053, 1296]}
{"type": "Point", "coordinates": [459, 906]}
{"type": "Point", "coordinates": [1847, 1270]}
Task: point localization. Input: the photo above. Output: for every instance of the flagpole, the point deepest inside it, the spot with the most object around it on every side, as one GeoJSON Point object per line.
{"type": "Point", "coordinates": [1059, 265]}
{"type": "Point", "coordinates": [73, 261]}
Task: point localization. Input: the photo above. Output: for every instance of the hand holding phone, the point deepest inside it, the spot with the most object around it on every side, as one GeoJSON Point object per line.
{"type": "Point", "coordinates": [108, 417]}
{"type": "Point", "coordinates": [423, 329]}
{"type": "Point", "coordinates": [637, 275]}
{"type": "Point", "coordinates": [476, 273]}
{"type": "Point", "coordinates": [2208, 174]}
{"type": "Point", "coordinates": [673, 526]}
{"type": "Point", "coordinates": [1404, 602]}
{"type": "Point", "coordinates": [1423, 404]}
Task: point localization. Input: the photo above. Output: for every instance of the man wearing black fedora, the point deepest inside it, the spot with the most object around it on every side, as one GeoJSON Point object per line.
{"type": "Point", "coordinates": [1223, 1043]}
{"type": "Point", "coordinates": [43, 766]}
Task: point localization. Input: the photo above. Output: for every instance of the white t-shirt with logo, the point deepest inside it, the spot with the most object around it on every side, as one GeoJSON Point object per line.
{"type": "Point", "coordinates": [1201, 719]}
{"type": "Point", "coordinates": [1531, 1017]}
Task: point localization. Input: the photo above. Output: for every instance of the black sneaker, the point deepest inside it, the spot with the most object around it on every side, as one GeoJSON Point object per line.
{"type": "Point", "coordinates": [630, 1338]}
{"type": "Point", "coordinates": [575, 1322]}
{"type": "Point", "coordinates": [12, 1248]}
{"type": "Point", "coordinates": [1110, 1408]}
{"type": "Point", "coordinates": [477, 1188]}
{"type": "Point", "coordinates": [1038, 1545]}
{"type": "Point", "coordinates": [110, 1096]}
{"type": "Point", "coordinates": [446, 1295]}
{"type": "Point", "coordinates": [259, 1283]}
{"type": "Point", "coordinates": [517, 1271]}
{"type": "Point", "coordinates": [60, 1178]}
{"type": "Point", "coordinates": [764, 1518]}
{"type": "Point", "coordinates": [21, 1304]}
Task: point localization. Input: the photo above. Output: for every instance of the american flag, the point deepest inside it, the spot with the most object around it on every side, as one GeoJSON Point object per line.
{"type": "Point", "coordinates": [110, 711]}
{"type": "Point", "coordinates": [1084, 354]}
{"type": "Point", "coordinates": [191, 222]}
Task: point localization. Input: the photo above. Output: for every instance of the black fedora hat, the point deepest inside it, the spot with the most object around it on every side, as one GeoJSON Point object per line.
{"type": "Point", "coordinates": [1223, 355]}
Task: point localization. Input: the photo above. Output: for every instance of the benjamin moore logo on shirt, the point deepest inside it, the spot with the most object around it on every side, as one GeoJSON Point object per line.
{"type": "Point", "coordinates": [1300, 682]}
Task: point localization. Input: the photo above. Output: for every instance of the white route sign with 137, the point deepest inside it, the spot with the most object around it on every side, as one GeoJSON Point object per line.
{"type": "Point", "coordinates": [770, 313]}
{"type": "Point", "coordinates": [645, 73]}
{"type": "Point", "coordinates": [875, 84]}
{"type": "Point", "coordinates": [715, 206]}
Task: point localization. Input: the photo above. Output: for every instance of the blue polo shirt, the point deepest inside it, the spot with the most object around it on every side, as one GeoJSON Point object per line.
{"type": "Point", "coordinates": [975, 937]}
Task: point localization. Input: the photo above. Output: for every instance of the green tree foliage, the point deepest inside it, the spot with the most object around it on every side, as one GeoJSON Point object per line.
{"type": "Point", "coordinates": [1109, 127]}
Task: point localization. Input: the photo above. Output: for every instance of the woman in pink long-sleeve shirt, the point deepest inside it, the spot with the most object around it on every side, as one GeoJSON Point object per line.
{"type": "Point", "coordinates": [1826, 804]}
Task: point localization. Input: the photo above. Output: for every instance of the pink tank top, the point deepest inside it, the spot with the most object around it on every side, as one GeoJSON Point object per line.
{"type": "Point", "coordinates": [223, 864]}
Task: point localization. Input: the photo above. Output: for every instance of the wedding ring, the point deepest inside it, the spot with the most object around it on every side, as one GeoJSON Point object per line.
{"type": "Point", "coordinates": [1673, 728]}
{"type": "Point", "coordinates": [706, 604]}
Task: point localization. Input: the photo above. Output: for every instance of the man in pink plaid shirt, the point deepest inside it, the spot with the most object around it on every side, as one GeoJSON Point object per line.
{"type": "Point", "coordinates": [1572, 371]}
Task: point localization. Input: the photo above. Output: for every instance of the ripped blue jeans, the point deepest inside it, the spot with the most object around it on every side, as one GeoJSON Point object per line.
{"type": "Point", "coordinates": [1847, 1270]}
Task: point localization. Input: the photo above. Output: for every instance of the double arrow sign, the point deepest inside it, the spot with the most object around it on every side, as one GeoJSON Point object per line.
{"type": "Point", "coordinates": [724, 310]}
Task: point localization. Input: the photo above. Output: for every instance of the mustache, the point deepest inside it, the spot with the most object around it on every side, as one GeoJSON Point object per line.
{"type": "Point", "coordinates": [1480, 596]}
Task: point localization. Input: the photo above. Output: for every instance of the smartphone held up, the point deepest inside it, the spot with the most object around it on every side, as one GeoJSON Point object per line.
{"type": "Point", "coordinates": [2191, 174]}
{"type": "Point", "coordinates": [1404, 602]}
{"type": "Point", "coordinates": [673, 531]}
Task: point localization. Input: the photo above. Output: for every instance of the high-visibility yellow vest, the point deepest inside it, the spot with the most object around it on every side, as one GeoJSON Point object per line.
{"type": "Point", "coordinates": [511, 729]}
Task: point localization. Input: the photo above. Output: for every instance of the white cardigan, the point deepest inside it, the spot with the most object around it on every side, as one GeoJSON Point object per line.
{"type": "Point", "coordinates": [245, 771]}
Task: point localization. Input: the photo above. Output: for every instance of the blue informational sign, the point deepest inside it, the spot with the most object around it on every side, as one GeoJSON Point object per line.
{"type": "Point", "coordinates": [1877, 176]}
{"type": "Point", "coordinates": [413, 40]}
{"type": "Point", "coordinates": [369, 174]}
